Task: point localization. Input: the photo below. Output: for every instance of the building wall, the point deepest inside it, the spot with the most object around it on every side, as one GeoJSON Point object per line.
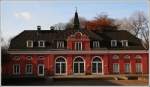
{"type": "Point", "coordinates": [49, 63]}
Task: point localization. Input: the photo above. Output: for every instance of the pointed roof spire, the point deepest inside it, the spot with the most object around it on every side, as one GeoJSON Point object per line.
{"type": "Point", "coordinates": [76, 20]}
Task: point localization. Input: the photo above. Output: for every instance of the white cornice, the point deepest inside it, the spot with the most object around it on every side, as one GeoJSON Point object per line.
{"type": "Point", "coordinates": [79, 52]}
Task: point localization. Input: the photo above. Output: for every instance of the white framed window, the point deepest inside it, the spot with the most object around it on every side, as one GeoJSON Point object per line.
{"type": "Point", "coordinates": [16, 69]}
{"type": "Point", "coordinates": [29, 57]}
{"type": "Point", "coordinates": [29, 43]}
{"type": "Point", "coordinates": [127, 67]}
{"type": "Point", "coordinates": [138, 68]}
{"type": "Point", "coordinates": [41, 43]}
{"type": "Point", "coordinates": [113, 43]}
{"type": "Point", "coordinates": [78, 45]}
{"type": "Point", "coordinates": [124, 43]}
{"type": "Point", "coordinates": [40, 70]}
{"type": "Point", "coordinates": [115, 68]}
{"type": "Point", "coordinates": [96, 44]}
{"type": "Point", "coordinates": [126, 57]}
{"type": "Point", "coordinates": [28, 68]}
{"type": "Point", "coordinates": [115, 57]}
{"type": "Point", "coordinates": [60, 44]}
{"type": "Point", "coordinates": [16, 58]}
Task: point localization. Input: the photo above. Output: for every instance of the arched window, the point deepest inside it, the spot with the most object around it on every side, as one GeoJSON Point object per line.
{"type": "Point", "coordinates": [60, 65]}
{"type": "Point", "coordinates": [97, 65]}
{"type": "Point", "coordinates": [78, 65]}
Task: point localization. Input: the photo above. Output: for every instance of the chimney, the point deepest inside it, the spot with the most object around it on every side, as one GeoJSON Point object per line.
{"type": "Point", "coordinates": [52, 28]}
{"type": "Point", "coordinates": [38, 28]}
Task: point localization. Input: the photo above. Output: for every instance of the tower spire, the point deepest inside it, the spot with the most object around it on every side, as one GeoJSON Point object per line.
{"type": "Point", "coordinates": [76, 20]}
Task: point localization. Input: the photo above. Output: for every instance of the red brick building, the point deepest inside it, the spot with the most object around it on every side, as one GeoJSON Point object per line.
{"type": "Point", "coordinates": [75, 52]}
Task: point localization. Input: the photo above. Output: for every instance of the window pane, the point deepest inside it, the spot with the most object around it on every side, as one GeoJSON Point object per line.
{"type": "Point", "coordinates": [99, 67]}
{"type": "Point", "coordinates": [63, 68]}
{"type": "Point", "coordinates": [127, 68]}
{"type": "Point", "coordinates": [81, 67]}
{"type": "Point", "coordinates": [75, 67]}
{"type": "Point", "coordinates": [40, 69]}
{"type": "Point", "coordinates": [94, 67]}
{"type": "Point", "coordinates": [57, 67]}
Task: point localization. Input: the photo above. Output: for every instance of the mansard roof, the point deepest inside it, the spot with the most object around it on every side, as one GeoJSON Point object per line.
{"type": "Point", "coordinates": [51, 36]}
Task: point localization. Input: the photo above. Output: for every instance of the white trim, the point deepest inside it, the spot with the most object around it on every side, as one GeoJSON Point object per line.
{"type": "Point", "coordinates": [78, 66]}
{"type": "Point", "coordinates": [27, 43]}
{"type": "Point", "coordinates": [140, 66]}
{"type": "Point", "coordinates": [16, 58]}
{"type": "Point", "coordinates": [115, 41]}
{"type": "Point", "coordinates": [96, 44]}
{"type": "Point", "coordinates": [130, 70]}
{"type": "Point", "coordinates": [115, 56]}
{"type": "Point", "coordinates": [28, 57]}
{"type": "Point", "coordinates": [31, 69]}
{"type": "Point", "coordinates": [65, 62]}
{"type": "Point", "coordinates": [43, 70]}
{"type": "Point", "coordinates": [77, 43]}
{"type": "Point", "coordinates": [14, 69]}
{"type": "Point", "coordinates": [80, 52]}
{"type": "Point", "coordinates": [138, 57]}
{"type": "Point", "coordinates": [118, 68]}
{"type": "Point", "coordinates": [126, 57]}
{"type": "Point", "coordinates": [102, 62]}
{"type": "Point", "coordinates": [124, 41]}
{"type": "Point", "coordinates": [43, 42]}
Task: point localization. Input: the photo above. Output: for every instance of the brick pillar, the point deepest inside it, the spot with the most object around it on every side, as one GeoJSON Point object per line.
{"type": "Point", "coordinates": [105, 64]}
{"type": "Point", "coordinates": [69, 65]}
{"type": "Point", "coordinates": [51, 69]}
{"type": "Point", "coordinates": [133, 62]}
{"type": "Point", "coordinates": [88, 64]}
{"type": "Point", "coordinates": [144, 62]}
{"type": "Point", "coordinates": [121, 64]}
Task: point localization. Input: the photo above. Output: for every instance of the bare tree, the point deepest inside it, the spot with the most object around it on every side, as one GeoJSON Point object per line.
{"type": "Point", "coordinates": [137, 24]}
{"type": "Point", "coordinates": [60, 26]}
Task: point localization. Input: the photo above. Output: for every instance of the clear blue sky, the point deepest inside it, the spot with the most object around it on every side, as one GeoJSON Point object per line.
{"type": "Point", "coordinates": [17, 16]}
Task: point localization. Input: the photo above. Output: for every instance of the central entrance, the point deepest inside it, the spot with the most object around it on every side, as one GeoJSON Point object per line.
{"type": "Point", "coordinates": [78, 65]}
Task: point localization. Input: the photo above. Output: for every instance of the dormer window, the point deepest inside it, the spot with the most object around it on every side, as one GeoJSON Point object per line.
{"type": "Point", "coordinates": [113, 43]}
{"type": "Point", "coordinates": [29, 43]}
{"type": "Point", "coordinates": [78, 45]}
{"type": "Point", "coordinates": [96, 44]}
{"type": "Point", "coordinates": [60, 44]}
{"type": "Point", "coordinates": [124, 43]}
{"type": "Point", "coordinates": [41, 43]}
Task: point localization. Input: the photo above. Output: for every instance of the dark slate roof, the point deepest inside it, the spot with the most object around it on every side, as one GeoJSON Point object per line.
{"type": "Point", "coordinates": [51, 36]}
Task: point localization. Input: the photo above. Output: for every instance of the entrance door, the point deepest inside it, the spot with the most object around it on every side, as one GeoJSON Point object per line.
{"type": "Point", "coordinates": [40, 70]}
{"type": "Point", "coordinates": [96, 66]}
{"type": "Point", "coordinates": [78, 66]}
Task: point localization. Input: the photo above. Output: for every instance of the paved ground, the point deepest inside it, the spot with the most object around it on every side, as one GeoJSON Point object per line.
{"type": "Point", "coordinates": [83, 82]}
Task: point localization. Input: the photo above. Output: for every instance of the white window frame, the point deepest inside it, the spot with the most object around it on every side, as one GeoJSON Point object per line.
{"type": "Point", "coordinates": [28, 43]}
{"type": "Point", "coordinates": [60, 44]}
{"type": "Point", "coordinates": [43, 43]}
{"type": "Point", "coordinates": [27, 69]}
{"type": "Point", "coordinates": [115, 57]}
{"type": "Point", "coordinates": [43, 70]}
{"type": "Point", "coordinates": [118, 68]}
{"type": "Point", "coordinates": [14, 69]}
{"type": "Point", "coordinates": [77, 45]}
{"type": "Point", "coordinates": [126, 70]}
{"type": "Point", "coordinates": [96, 44]}
{"type": "Point", "coordinates": [60, 65]}
{"type": "Point", "coordinates": [113, 41]}
{"type": "Point", "coordinates": [138, 69]}
{"type": "Point", "coordinates": [79, 65]}
{"type": "Point", "coordinates": [29, 58]}
{"type": "Point", "coordinates": [124, 43]}
{"type": "Point", "coordinates": [96, 65]}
